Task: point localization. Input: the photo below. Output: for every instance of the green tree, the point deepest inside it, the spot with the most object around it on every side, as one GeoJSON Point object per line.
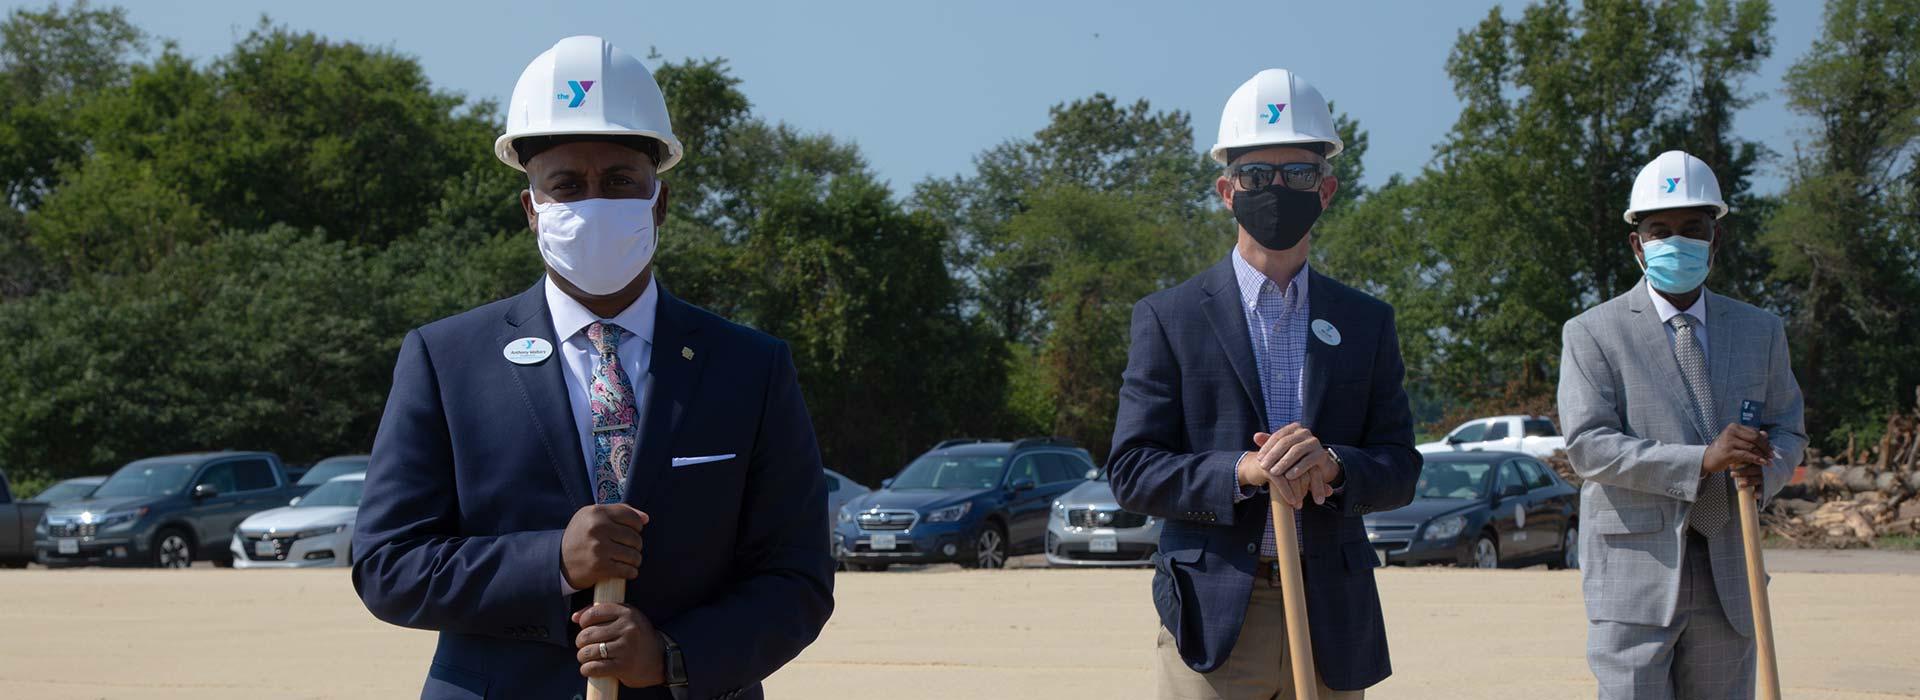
{"type": "Point", "coordinates": [1516, 226]}
{"type": "Point", "coordinates": [51, 62]}
{"type": "Point", "coordinates": [1845, 244]}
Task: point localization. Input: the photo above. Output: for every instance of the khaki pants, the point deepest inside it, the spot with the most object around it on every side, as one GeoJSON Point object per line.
{"type": "Point", "coordinates": [1258, 669]}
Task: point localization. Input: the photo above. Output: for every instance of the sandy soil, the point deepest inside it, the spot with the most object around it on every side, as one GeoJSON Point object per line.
{"type": "Point", "coordinates": [938, 633]}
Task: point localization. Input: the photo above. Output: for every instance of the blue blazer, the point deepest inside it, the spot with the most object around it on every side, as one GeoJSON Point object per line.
{"type": "Point", "coordinates": [477, 469]}
{"type": "Point", "coordinates": [1190, 403]}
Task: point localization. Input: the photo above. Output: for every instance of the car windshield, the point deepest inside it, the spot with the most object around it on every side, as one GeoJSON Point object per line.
{"type": "Point", "coordinates": [1453, 480]}
{"type": "Point", "coordinates": [325, 471]}
{"type": "Point", "coordinates": [345, 492]}
{"type": "Point", "coordinates": [952, 472]}
{"type": "Point", "coordinates": [147, 479]}
{"type": "Point", "coordinates": [65, 491]}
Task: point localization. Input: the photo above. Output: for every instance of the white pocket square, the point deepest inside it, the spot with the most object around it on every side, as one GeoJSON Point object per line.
{"type": "Point", "coordinates": [690, 461]}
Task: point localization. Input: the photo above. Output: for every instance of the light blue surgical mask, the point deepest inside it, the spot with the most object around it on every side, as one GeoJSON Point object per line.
{"type": "Point", "coordinates": [1676, 264]}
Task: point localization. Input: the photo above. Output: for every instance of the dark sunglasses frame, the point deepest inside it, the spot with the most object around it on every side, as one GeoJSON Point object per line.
{"type": "Point", "coordinates": [1303, 177]}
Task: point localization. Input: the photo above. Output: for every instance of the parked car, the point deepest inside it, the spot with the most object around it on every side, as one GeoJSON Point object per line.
{"type": "Point", "coordinates": [164, 511]}
{"type": "Point", "coordinates": [1482, 509]}
{"type": "Point", "coordinates": [971, 501]}
{"type": "Point", "coordinates": [325, 470]}
{"type": "Point", "coordinates": [1531, 435]}
{"type": "Point", "coordinates": [73, 489]}
{"type": "Point", "coordinates": [316, 530]}
{"type": "Point", "coordinates": [1088, 528]}
{"type": "Point", "coordinates": [17, 519]}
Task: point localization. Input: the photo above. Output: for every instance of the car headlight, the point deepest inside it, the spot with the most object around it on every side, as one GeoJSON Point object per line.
{"type": "Point", "coordinates": [40, 528]}
{"type": "Point", "coordinates": [950, 513]}
{"type": "Point", "coordinates": [846, 516]}
{"type": "Point", "coordinates": [318, 531]}
{"type": "Point", "coordinates": [120, 520]}
{"type": "Point", "coordinates": [1059, 511]}
{"type": "Point", "coordinates": [1445, 528]}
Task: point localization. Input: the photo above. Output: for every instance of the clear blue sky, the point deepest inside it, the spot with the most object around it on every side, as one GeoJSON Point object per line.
{"type": "Point", "coordinates": [923, 86]}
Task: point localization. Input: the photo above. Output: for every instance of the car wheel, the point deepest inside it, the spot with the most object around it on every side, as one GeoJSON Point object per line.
{"type": "Point", "coordinates": [172, 550]}
{"type": "Point", "coordinates": [1569, 550]}
{"type": "Point", "coordinates": [1486, 554]}
{"type": "Point", "coordinates": [989, 548]}
{"type": "Point", "coordinates": [871, 567]}
{"type": "Point", "coordinates": [14, 563]}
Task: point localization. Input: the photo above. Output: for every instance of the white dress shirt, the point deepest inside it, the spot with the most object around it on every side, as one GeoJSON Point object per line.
{"type": "Point", "coordinates": [1698, 311]}
{"type": "Point", "coordinates": [578, 357]}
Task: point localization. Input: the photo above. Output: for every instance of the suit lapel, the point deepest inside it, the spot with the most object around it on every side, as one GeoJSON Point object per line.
{"type": "Point", "coordinates": [544, 388]}
{"type": "Point", "coordinates": [1322, 304]}
{"type": "Point", "coordinates": [1648, 332]}
{"type": "Point", "coordinates": [675, 371]}
{"type": "Point", "coordinates": [1721, 333]}
{"type": "Point", "coordinates": [1229, 321]}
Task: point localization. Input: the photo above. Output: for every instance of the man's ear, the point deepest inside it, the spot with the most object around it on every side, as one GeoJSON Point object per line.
{"type": "Point", "coordinates": [660, 204]}
{"type": "Point", "coordinates": [1328, 186]}
{"type": "Point", "coordinates": [1224, 188]}
{"type": "Point", "coordinates": [526, 205]}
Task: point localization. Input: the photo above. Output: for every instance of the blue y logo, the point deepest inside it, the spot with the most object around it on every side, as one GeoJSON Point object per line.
{"type": "Point", "coordinates": [1672, 183]}
{"type": "Point", "coordinates": [1273, 112]}
{"type": "Point", "coordinates": [579, 94]}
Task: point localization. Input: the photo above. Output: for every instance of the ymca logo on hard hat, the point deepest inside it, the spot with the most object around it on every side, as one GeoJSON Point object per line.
{"type": "Point", "coordinates": [1674, 180]}
{"type": "Point", "coordinates": [1275, 108]}
{"type": "Point", "coordinates": [586, 86]}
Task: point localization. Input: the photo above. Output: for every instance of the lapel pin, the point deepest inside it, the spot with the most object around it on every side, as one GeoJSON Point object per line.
{"type": "Point", "coordinates": [686, 353]}
{"type": "Point", "coordinates": [1326, 332]}
{"type": "Point", "coordinates": [527, 351]}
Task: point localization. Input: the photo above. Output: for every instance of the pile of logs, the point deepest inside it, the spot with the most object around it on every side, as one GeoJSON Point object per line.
{"type": "Point", "coordinates": [1860, 496]}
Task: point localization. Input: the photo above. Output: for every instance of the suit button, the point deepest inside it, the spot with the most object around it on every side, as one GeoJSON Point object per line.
{"type": "Point", "coordinates": [1252, 548]}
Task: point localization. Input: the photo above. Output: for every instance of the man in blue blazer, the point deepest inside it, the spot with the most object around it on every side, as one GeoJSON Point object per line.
{"type": "Point", "coordinates": [540, 444]}
{"type": "Point", "coordinates": [1263, 374]}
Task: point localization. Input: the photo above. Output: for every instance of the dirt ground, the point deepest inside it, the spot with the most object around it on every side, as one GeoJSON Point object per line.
{"type": "Point", "coordinates": [936, 633]}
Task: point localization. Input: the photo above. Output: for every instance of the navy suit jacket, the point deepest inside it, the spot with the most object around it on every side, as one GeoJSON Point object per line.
{"type": "Point", "coordinates": [477, 469]}
{"type": "Point", "coordinates": [1189, 406]}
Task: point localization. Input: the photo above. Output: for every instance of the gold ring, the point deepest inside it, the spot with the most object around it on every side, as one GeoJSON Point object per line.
{"type": "Point", "coordinates": [603, 651]}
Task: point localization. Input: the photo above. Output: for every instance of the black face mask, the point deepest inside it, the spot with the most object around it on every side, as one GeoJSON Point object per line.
{"type": "Point", "coordinates": [1276, 216]}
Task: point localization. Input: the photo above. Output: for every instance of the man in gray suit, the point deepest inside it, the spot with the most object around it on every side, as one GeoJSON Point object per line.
{"type": "Point", "coordinates": [1651, 383]}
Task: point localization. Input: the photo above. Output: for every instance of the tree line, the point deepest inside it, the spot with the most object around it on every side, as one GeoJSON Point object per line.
{"type": "Point", "coordinates": [225, 253]}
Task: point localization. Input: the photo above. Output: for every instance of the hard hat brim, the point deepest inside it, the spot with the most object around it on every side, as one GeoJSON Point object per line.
{"type": "Point", "coordinates": [1719, 210]}
{"type": "Point", "coordinates": [503, 146]}
{"type": "Point", "coordinates": [1220, 151]}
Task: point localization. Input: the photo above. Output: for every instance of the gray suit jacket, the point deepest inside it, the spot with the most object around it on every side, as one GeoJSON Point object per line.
{"type": "Point", "coordinates": [1631, 435]}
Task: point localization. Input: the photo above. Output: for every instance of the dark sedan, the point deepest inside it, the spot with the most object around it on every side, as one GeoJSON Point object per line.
{"type": "Point", "coordinates": [974, 502]}
{"type": "Point", "coordinates": [1485, 510]}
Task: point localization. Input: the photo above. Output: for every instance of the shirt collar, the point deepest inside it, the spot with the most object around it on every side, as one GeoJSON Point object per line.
{"type": "Point", "coordinates": [1667, 310]}
{"type": "Point", "coordinates": [570, 317]}
{"type": "Point", "coordinates": [1251, 280]}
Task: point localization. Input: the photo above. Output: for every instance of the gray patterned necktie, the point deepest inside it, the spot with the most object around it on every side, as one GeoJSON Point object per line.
{"type": "Point", "coordinates": [1709, 512]}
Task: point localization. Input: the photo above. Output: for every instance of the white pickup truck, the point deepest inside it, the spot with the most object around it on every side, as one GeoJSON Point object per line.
{"type": "Point", "coordinates": [1533, 435]}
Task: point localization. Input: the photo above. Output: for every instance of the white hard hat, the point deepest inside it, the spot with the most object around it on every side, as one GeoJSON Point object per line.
{"type": "Point", "coordinates": [584, 86]}
{"type": "Point", "coordinates": [1674, 180]}
{"type": "Point", "coordinates": [1275, 108]}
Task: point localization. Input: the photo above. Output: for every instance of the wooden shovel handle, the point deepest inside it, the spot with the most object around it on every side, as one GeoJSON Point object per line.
{"type": "Point", "coordinates": [1293, 597]}
{"type": "Point", "coordinates": [1769, 670]}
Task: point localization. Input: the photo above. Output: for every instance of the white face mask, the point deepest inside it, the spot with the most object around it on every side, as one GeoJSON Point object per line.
{"type": "Point", "coordinates": [600, 245]}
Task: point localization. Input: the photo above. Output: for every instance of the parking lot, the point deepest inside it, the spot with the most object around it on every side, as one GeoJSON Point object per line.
{"type": "Point", "coordinates": [937, 632]}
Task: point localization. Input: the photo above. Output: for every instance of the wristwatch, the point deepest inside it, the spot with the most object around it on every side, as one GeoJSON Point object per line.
{"type": "Point", "coordinates": [676, 666]}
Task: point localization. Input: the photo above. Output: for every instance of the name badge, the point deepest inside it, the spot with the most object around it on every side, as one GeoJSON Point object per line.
{"type": "Point", "coordinates": [528, 351]}
{"type": "Point", "coordinates": [1326, 332]}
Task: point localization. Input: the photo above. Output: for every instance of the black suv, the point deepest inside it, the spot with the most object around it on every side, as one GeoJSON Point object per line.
{"type": "Point", "coordinates": [972, 501]}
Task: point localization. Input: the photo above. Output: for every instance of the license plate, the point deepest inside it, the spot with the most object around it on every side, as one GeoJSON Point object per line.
{"type": "Point", "coordinates": [263, 548]}
{"type": "Point", "coordinates": [69, 546]}
{"type": "Point", "coordinates": [884, 543]}
{"type": "Point", "coordinates": [1103, 544]}
{"type": "Point", "coordinates": [1381, 552]}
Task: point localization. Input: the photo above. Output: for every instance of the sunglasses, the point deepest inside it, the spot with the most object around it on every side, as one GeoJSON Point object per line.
{"type": "Point", "coordinates": [1304, 177]}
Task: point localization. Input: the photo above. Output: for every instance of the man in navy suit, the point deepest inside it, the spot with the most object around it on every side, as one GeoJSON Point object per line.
{"type": "Point", "coordinates": [538, 445]}
{"type": "Point", "coordinates": [1263, 374]}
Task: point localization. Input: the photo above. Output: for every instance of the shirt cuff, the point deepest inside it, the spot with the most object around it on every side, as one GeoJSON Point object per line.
{"type": "Point", "coordinates": [1243, 492]}
{"type": "Point", "coordinates": [567, 589]}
